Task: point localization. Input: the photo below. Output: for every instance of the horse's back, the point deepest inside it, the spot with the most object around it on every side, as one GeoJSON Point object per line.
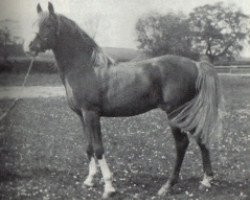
{"type": "Point", "coordinates": [171, 70]}
{"type": "Point", "coordinates": [166, 81]}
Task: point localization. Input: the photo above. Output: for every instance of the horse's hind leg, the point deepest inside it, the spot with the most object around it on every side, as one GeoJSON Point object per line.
{"type": "Point", "coordinates": [207, 167]}
{"type": "Point", "coordinates": [181, 141]}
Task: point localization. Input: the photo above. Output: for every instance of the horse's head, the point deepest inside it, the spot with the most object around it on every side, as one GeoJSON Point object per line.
{"type": "Point", "coordinates": [48, 30]}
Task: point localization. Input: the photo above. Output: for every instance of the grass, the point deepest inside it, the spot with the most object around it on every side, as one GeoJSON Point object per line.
{"type": "Point", "coordinates": [34, 79]}
{"type": "Point", "coordinates": [42, 152]}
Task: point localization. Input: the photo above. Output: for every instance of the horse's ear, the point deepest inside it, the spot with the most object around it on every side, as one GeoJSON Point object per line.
{"type": "Point", "coordinates": [39, 8]}
{"type": "Point", "coordinates": [51, 9]}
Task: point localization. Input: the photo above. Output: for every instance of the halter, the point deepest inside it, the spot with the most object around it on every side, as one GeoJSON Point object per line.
{"type": "Point", "coordinates": [38, 35]}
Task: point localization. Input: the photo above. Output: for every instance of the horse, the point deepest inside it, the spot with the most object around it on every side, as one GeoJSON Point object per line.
{"type": "Point", "coordinates": [186, 90]}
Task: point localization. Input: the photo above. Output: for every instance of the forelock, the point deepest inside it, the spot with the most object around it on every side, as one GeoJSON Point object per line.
{"type": "Point", "coordinates": [42, 17]}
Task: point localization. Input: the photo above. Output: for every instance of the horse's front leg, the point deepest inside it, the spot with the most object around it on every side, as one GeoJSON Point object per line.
{"type": "Point", "coordinates": [93, 129]}
{"type": "Point", "coordinates": [90, 153]}
{"type": "Point", "coordinates": [92, 166]}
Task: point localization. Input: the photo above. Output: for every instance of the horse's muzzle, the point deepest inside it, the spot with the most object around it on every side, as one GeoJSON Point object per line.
{"type": "Point", "coordinates": [35, 48]}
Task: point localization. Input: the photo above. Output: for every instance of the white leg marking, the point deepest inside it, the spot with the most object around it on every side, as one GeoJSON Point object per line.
{"type": "Point", "coordinates": [164, 189]}
{"type": "Point", "coordinates": [92, 172]}
{"type": "Point", "coordinates": [206, 181]}
{"type": "Point", "coordinates": [107, 177]}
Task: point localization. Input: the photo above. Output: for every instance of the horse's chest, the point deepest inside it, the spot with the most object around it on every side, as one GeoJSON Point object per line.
{"type": "Point", "coordinates": [80, 95]}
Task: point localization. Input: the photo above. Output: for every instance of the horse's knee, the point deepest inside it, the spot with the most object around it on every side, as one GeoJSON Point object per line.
{"type": "Point", "coordinates": [90, 152]}
{"type": "Point", "coordinates": [99, 153]}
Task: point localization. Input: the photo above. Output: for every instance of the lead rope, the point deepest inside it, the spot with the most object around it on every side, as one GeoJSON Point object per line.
{"type": "Point", "coordinates": [23, 86]}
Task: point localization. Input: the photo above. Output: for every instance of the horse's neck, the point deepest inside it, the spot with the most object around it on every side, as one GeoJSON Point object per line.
{"type": "Point", "coordinates": [73, 57]}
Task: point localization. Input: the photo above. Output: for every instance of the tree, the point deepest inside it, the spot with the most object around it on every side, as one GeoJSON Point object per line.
{"type": "Point", "coordinates": [165, 34]}
{"type": "Point", "coordinates": [219, 30]}
{"type": "Point", "coordinates": [9, 39]}
{"type": "Point", "coordinates": [4, 40]}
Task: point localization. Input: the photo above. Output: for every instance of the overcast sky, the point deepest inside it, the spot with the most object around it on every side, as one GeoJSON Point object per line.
{"type": "Point", "coordinates": [115, 19]}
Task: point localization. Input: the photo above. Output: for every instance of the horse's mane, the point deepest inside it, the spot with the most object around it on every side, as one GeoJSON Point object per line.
{"type": "Point", "coordinates": [99, 58]}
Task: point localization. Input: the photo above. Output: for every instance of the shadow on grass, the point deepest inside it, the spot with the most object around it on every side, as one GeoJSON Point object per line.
{"type": "Point", "coordinates": [147, 186]}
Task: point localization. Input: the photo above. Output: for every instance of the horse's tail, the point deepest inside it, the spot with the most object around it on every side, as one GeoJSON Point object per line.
{"type": "Point", "coordinates": [200, 116]}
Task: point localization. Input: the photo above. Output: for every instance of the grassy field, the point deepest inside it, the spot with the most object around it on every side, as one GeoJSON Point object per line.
{"type": "Point", "coordinates": [42, 151]}
{"type": "Point", "coordinates": [35, 79]}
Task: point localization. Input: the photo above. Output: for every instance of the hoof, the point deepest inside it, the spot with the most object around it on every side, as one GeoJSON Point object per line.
{"type": "Point", "coordinates": [87, 184]}
{"type": "Point", "coordinates": [204, 188]}
{"type": "Point", "coordinates": [163, 191]}
{"type": "Point", "coordinates": [205, 184]}
{"type": "Point", "coordinates": [108, 194]}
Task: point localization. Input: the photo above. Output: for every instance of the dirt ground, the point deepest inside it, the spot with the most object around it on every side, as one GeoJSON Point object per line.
{"type": "Point", "coordinates": [42, 152]}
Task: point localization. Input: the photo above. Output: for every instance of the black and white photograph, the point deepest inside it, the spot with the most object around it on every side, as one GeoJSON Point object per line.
{"type": "Point", "coordinates": [124, 99]}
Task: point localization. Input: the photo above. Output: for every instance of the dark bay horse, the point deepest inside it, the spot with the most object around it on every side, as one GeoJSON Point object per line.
{"type": "Point", "coordinates": [186, 90]}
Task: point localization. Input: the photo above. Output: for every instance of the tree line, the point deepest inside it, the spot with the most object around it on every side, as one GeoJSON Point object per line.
{"type": "Point", "coordinates": [10, 44]}
{"type": "Point", "coordinates": [215, 30]}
